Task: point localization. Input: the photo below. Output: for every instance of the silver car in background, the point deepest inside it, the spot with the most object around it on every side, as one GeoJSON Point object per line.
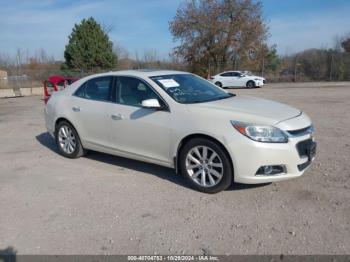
{"type": "Point", "coordinates": [237, 79]}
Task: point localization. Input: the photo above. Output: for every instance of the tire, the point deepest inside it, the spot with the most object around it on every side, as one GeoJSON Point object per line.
{"type": "Point", "coordinates": [66, 132]}
{"type": "Point", "coordinates": [250, 84]}
{"type": "Point", "coordinates": [219, 84]}
{"type": "Point", "coordinates": [216, 178]}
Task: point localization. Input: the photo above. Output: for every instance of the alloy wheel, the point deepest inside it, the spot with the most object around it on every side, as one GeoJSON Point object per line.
{"type": "Point", "coordinates": [66, 139]}
{"type": "Point", "coordinates": [250, 84]}
{"type": "Point", "coordinates": [204, 166]}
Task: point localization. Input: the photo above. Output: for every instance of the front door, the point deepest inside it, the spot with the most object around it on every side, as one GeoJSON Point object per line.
{"type": "Point", "coordinates": [144, 133]}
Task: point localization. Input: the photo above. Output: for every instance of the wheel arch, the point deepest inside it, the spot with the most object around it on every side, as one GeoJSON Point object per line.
{"type": "Point", "coordinates": [219, 83]}
{"type": "Point", "coordinates": [62, 118]}
{"type": "Point", "coordinates": [250, 80]}
{"type": "Point", "coordinates": [189, 137]}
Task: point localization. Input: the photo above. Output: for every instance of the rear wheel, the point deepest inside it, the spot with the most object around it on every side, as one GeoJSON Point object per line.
{"type": "Point", "coordinates": [219, 84]}
{"type": "Point", "coordinates": [250, 84]}
{"type": "Point", "coordinates": [206, 166]}
{"type": "Point", "coordinates": [68, 141]}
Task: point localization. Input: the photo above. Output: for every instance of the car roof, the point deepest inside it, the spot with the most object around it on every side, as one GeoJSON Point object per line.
{"type": "Point", "coordinates": [142, 73]}
{"type": "Point", "coordinates": [230, 71]}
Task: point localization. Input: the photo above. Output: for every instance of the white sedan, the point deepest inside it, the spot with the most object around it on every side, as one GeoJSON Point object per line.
{"type": "Point", "coordinates": [179, 120]}
{"type": "Point", "coordinates": [237, 79]}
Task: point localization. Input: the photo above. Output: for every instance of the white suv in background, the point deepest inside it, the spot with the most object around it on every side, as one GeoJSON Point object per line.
{"type": "Point", "coordinates": [237, 79]}
{"type": "Point", "coordinates": [179, 120]}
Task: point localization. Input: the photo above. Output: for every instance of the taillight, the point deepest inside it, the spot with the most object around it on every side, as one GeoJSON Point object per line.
{"type": "Point", "coordinates": [49, 88]}
{"type": "Point", "coordinates": [209, 77]}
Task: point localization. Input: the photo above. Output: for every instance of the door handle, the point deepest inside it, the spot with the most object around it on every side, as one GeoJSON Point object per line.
{"type": "Point", "coordinates": [76, 108]}
{"type": "Point", "coordinates": [117, 117]}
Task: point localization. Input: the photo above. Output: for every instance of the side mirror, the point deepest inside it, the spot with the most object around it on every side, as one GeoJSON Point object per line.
{"type": "Point", "coordinates": [151, 104]}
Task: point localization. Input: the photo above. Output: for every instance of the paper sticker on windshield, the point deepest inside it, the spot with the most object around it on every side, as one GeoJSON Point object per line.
{"type": "Point", "coordinates": [167, 83]}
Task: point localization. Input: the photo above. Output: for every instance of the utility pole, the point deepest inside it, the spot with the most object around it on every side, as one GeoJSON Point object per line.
{"type": "Point", "coordinates": [295, 68]}
{"type": "Point", "coordinates": [331, 68]}
{"type": "Point", "coordinates": [209, 75]}
{"type": "Point", "coordinates": [262, 68]}
{"type": "Point", "coordinates": [19, 60]}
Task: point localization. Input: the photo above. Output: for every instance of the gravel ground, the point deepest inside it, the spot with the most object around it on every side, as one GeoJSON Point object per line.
{"type": "Point", "coordinates": [102, 204]}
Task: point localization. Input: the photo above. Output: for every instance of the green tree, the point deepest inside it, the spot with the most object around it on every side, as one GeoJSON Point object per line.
{"type": "Point", "coordinates": [346, 45]}
{"type": "Point", "coordinates": [272, 59]}
{"type": "Point", "coordinates": [89, 47]}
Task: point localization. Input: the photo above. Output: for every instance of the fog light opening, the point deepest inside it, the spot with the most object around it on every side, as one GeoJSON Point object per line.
{"type": "Point", "coordinates": [271, 170]}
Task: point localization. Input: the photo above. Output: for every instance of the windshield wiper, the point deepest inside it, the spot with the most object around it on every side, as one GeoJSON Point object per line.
{"type": "Point", "coordinates": [197, 101]}
{"type": "Point", "coordinates": [220, 98]}
{"type": "Point", "coordinates": [210, 100]}
{"type": "Point", "coordinates": [229, 95]}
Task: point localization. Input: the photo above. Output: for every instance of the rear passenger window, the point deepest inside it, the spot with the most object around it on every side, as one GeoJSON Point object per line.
{"type": "Point", "coordinates": [226, 74]}
{"type": "Point", "coordinates": [96, 89]}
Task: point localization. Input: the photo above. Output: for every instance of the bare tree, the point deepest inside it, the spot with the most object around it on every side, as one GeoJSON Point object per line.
{"type": "Point", "coordinates": [218, 32]}
{"type": "Point", "coordinates": [107, 28]}
{"type": "Point", "coordinates": [6, 60]}
{"type": "Point", "coordinates": [150, 56]}
{"type": "Point", "coordinates": [120, 51]}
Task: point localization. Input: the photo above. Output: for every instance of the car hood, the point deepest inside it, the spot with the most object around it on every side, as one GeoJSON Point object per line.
{"type": "Point", "coordinates": [257, 77]}
{"type": "Point", "coordinates": [246, 108]}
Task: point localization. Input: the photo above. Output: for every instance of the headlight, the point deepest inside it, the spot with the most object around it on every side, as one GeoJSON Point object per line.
{"type": "Point", "coordinates": [261, 133]}
{"type": "Point", "coordinates": [257, 79]}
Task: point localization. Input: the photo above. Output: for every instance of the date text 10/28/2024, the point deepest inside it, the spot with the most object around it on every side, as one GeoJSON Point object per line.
{"type": "Point", "coordinates": [173, 258]}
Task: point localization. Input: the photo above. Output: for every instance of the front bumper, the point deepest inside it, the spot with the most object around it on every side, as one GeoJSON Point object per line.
{"type": "Point", "coordinates": [259, 82]}
{"type": "Point", "coordinates": [253, 155]}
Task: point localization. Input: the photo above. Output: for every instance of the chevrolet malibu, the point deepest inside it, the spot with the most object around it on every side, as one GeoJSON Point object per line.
{"type": "Point", "coordinates": [179, 120]}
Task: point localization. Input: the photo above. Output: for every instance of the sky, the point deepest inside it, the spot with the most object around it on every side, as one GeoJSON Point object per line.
{"type": "Point", "coordinates": [140, 25]}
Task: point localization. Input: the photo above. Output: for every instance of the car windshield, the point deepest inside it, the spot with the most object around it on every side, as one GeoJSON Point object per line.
{"type": "Point", "coordinates": [188, 88]}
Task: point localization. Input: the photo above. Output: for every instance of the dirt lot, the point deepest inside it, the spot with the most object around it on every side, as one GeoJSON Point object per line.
{"type": "Point", "coordinates": [101, 204]}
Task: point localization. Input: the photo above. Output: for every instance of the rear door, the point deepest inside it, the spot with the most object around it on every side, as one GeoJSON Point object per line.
{"type": "Point", "coordinates": [89, 106]}
{"type": "Point", "coordinates": [225, 79]}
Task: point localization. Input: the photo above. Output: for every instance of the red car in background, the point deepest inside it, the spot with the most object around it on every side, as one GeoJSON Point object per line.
{"type": "Point", "coordinates": [56, 83]}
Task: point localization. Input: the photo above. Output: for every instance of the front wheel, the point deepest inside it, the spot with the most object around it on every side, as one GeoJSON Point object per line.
{"type": "Point", "coordinates": [250, 84]}
{"type": "Point", "coordinates": [206, 166]}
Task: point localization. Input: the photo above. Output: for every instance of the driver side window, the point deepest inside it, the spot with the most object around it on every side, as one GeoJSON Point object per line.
{"type": "Point", "coordinates": [226, 74]}
{"type": "Point", "coordinates": [132, 91]}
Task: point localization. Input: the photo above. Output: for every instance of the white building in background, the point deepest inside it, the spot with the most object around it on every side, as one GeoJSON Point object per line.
{"type": "Point", "coordinates": [3, 79]}
{"type": "Point", "coordinates": [3, 75]}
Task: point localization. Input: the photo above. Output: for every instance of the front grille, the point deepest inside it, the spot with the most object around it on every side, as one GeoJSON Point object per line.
{"type": "Point", "coordinates": [301, 132]}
